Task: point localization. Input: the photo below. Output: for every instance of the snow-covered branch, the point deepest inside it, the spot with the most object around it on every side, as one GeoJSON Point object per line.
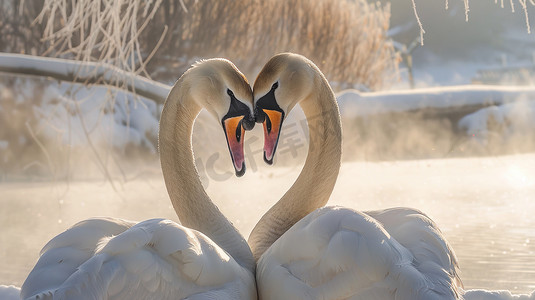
{"type": "Point", "coordinates": [353, 103]}
{"type": "Point", "coordinates": [83, 72]}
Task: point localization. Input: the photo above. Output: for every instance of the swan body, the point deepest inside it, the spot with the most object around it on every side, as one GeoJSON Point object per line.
{"type": "Point", "coordinates": [307, 251]}
{"type": "Point", "coordinates": [115, 259]}
{"type": "Point", "coordinates": [205, 257]}
{"type": "Point", "coordinates": [340, 253]}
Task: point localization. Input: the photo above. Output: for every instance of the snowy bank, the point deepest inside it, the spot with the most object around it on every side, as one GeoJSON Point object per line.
{"type": "Point", "coordinates": [439, 122]}
{"type": "Point", "coordinates": [48, 127]}
{"type": "Point", "coordinates": [408, 124]}
{"type": "Point", "coordinates": [75, 115]}
{"type": "Point", "coordinates": [353, 103]}
{"type": "Point", "coordinates": [495, 295]}
{"type": "Point", "coordinates": [9, 292]}
{"type": "Point", "coordinates": [505, 121]}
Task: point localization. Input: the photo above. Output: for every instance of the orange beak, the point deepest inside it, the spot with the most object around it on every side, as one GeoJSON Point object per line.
{"type": "Point", "coordinates": [272, 124]}
{"type": "Point", "coordinates": [235, 134]}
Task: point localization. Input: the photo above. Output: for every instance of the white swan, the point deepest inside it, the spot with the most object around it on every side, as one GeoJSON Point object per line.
{"type": "Point", "coordinates": [307, 251]}
{"type": "Point", "coordinates": [108, 258]}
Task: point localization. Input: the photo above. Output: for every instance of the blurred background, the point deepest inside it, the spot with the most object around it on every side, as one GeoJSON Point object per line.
{"type": "Point", "coordinates": [447, 126]}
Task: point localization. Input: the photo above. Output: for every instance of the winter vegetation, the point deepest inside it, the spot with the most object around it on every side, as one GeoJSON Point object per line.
{"type": "Point", "coordinates": [148, 37]}
{"type": "Point", "coordinates": [118, 47]}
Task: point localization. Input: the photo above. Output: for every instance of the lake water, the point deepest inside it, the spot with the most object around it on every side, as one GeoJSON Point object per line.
{"type": "Point", "coordinates": [484, 206]}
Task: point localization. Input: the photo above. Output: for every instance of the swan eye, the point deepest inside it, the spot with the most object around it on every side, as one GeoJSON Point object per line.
{"type": "Point", "coordinates": [230, 93]}
{"type": "Point", "coordinates": [275, 85]}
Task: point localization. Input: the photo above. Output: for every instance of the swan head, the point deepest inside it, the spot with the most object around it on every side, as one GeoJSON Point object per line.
{"type": "Point", "coordinates": [218, 86]}
{"type": "Point", "coordinates": [285, 80]}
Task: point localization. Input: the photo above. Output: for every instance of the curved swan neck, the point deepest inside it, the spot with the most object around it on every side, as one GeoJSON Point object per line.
{"type": "Point", "coordinates": [190, 201]}
{"type": "Point", "coordinates": [316, 181]}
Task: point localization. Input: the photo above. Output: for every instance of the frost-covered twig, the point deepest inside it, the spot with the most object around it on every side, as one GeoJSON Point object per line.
{"type": "Point", "coordinates": [104, 31]}
{"type": "Point", "coordinates": [101, 31]}
{"type": "Point", "coordinates": [467, 9]}
{"type": "Point", "coordinates": [525, 8]}
{"type": "Point", "coordinates": [422, 31]}
{"type": "Point", "coordinates": [523, 3]}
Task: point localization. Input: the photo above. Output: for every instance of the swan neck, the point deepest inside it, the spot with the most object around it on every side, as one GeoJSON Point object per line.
{"type": "Point", "coordinates": [316, 181]}
{"type": "Point", "coordinates": [192, 204]}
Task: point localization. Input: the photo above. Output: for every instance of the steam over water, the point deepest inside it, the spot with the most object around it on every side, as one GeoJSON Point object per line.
{"type": "Point", "coordinates": [484, 206]}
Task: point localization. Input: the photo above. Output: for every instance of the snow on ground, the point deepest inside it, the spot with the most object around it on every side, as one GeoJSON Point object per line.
{"type": "Point", "coordinates": [109, 117]}
{"type": "Point", "coordinates": [353, 103]}
{"type": "Point", "coordinates": [49, 118]}
{"type": "Point", "coordinates": [496, 295]}
{"type": "Point", "coordinates": [505, 121]}
{"type": "Point", "coordinates": [9, 292]}
{"type": "Point", "coordinates": [438, 122]}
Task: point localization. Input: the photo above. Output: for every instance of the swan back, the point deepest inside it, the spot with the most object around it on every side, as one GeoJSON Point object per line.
{"type": "Point", "coordinates": [340, 253]}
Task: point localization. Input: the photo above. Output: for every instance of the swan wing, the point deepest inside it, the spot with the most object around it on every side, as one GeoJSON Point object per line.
{"type": "Point", "coordinates": [62, 255]}
{"type": "Point", "coordinates": [154, 259]}
{"type": "Point", "coordinates": [418, 233]}
{"type": "Point", "coordinates": [339, 253]}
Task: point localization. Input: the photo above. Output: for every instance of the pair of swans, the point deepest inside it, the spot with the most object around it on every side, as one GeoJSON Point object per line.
{"type": "Point", "coordinates": [298, 250]}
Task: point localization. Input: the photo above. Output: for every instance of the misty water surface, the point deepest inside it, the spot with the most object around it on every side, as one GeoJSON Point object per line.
{"type": "Point", "coordinates": [484, 206]}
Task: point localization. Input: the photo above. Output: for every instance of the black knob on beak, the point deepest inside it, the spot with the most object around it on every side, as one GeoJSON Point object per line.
{"type": "Point", "coordinates": [259, 115]}
{"type": "Point", "coordinates": [248, 122]}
